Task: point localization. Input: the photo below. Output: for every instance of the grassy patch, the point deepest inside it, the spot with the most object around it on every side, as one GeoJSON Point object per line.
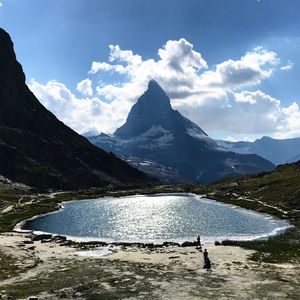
{"type": "Point", "coordinates": [8, 267]}
{"type": "Point", "coordinates": [277, 249]}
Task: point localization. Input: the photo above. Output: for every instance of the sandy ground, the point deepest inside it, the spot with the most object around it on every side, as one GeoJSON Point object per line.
{"type": "Point", "coordinates": [170, 272]}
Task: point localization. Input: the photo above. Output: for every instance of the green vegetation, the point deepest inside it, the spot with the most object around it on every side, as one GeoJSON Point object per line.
{"type": "Point", "coordinates": [277, 249]}
{"type": "Point", "coordinates": [280, 189]}
{"type": "Point", "coordinates": [9, 266]}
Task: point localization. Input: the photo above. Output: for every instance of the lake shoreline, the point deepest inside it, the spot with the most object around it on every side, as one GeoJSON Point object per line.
{"type": "Point", "coordinates": [54, 199]}
{"type": "Point", "coordinates": [24, 225]}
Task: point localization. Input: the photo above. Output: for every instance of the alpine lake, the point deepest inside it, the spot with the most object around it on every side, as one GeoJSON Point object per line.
{"type": "Point", "coordinates": [155, 218]}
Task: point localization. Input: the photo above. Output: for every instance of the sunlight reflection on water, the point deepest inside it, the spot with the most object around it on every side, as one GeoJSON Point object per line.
{"type": "Point", "coordinates": [156, 218]}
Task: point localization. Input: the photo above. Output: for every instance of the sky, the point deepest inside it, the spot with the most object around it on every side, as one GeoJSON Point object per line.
{"type": "Point", "coordinates": [231, 66]}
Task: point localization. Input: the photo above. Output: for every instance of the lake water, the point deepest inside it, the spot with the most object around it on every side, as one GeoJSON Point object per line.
{"type": "Point", "coordinates": [155, 218]}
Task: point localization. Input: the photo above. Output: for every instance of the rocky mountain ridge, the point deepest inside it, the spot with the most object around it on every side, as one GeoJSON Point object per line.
{"type": "Point", "coordinates": [278, 151]}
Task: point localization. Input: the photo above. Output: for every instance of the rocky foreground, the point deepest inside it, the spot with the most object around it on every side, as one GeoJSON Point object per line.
{"type": "Point", "coordinates": [49, 270]}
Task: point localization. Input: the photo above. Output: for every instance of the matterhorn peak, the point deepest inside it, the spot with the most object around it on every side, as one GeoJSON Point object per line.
{"type": "Point", "coordinates": [155, 96]}
{"type": "Point", "coordinates": [152, 108]}
{"type": "Point", "coordinates": [153, 84]}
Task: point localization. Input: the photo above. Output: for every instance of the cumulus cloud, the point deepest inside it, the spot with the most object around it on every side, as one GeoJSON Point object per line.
{"type": "Point", "coordinates": [84, 115]}
{"type": "Point", "coordinates": [85, 87]}
{"type": "Point", "coordinates": [244, 112]}
{"type": "Point", "coordinates": [250, 70]}
{"type": "Point", "coordinates": [290, 126]}
{"type": "Point", "coordinates": [103, 66]}
{"type": "Point", "coordinates": [179, 55]}
{"type": "Point", "coordinates": [176, 69]}
{"type": "Point", "coordinates": [217, 98]}
{"type": "Point", "coordinates": [183, 72]}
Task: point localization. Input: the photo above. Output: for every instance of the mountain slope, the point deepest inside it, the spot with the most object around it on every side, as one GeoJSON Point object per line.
{"type": "Point", "coordinates": [38, 149]}
{"type": "Point", "coordinates": [294, 159]}
{"type": "Point", "coordinates": [154, 131]}
{"type": "Point", "coordinates": [279, 189]}
{"type": "Point", "coordinates": [276, 151]}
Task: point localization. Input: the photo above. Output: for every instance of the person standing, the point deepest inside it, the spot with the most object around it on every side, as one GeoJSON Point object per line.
{"type": "Point", "coordinates": [198, 242]}
{"type": "Point", "coordinates": [207, 263]}
{"type": "Point", "coordinates": [205, 256]}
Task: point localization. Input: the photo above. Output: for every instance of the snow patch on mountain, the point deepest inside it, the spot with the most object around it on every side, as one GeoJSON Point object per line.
{"type": "Point", "coordinates": [198, 134]}
{"type": "Point", "coordinates": [232, 163]}
{"type": "Point", "coordinates": [230, 146]}
{"type": "Point", "coordinates": [154, 131]}
{"type": "Point", "coordinates": [154, 138]}
{"type": "Point", "coordinates": [195, 133]}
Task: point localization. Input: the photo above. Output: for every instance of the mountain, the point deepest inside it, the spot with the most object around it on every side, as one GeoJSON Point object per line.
{"type": "Point", "coordinates": [293, 159]}
{"type": "Point", "coordinates": [274, 150]}
{"type": "Point", "coordinates": [155, 131]}
{"type": "Point", "coordinates": [165, 174]}
{"type": "Point", "coordinates": [39, 150]}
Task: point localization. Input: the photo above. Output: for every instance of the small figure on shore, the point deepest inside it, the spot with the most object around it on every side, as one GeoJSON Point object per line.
{"type": "Point", "coordinates": [207, 263]}
{"type": "Point", "coordinates": [205, 256]}
{"type": "Point", "coordinates": [198, 242]}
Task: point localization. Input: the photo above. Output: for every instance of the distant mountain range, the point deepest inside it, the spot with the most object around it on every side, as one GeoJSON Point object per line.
{"type": "Point", "coordinates": [276, 151]}
{"type": "Point", "coordinates": [155, 132]}
{"type": "Point", "coordinates": [39, 150]}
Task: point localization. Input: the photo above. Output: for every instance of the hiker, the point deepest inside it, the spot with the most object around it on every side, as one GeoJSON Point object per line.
{"type": "Point", "coordinates": [198, 242]}
{"type": "Point", "coordinates": [205, 256]}
{"type": "Point", "coordinates": [207, 264]}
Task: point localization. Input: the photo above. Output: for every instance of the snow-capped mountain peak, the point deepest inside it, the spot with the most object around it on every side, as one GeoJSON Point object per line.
{"type": "Point", "coordinates": [155, 131]}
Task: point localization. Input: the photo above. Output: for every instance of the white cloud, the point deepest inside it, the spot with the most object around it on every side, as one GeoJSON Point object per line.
{"type": "Point", "coordinates": [250, 70]}
{"type": "Point", "coordinates": [103, 66]}
{"type": "Point", "coordinates": [85, 87]}
{"type": "Point", "coordinates": [244, 112]}
{"type": "Point", "coordinates": [1, 4]}
{"type": "Point", "coordinates": [176, 70]}
{"type": "Point", "coordinates": [179, 55]}
{"type": "Point", "coordinates": [216, 98]}
{"type": "Point", "coordinates": [290, 125]}
{"type": "Point", "coordinates": [182, 71]}
{"type": "Point", "coordinates": [237, 138]}
{"type": "Point", "coordinates": [289, 66]}
{"type": "Point", "coordinates": [84, 115]}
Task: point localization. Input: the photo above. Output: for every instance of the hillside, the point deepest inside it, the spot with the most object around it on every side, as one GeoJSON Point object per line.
{"type": "Point", "coordinates": [279, 188]}
{"type": "Point", "coordinates": [39, 150]}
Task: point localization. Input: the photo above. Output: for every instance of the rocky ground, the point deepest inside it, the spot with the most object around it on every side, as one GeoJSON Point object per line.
{"type": "Point", "coordinates": [50, 270]}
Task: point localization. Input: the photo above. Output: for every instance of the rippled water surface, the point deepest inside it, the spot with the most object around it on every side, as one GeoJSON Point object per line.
{"type": "Point", "coordinates": [155, 218]}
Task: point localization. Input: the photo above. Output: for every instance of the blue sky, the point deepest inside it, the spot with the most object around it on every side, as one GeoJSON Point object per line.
{"type": "Point", "coordinates": [57, 41]}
